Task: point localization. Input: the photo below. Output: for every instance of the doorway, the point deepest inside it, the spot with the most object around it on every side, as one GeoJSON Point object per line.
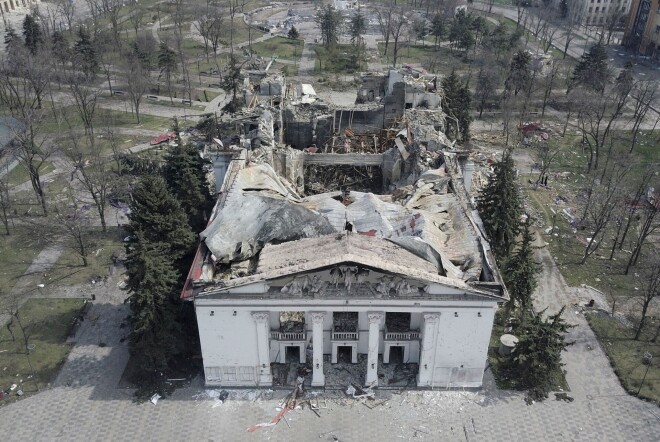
{"type": "Point", "coordinates": [396, 355]}
{"type": "Point", "coordinates": [344, 354]}
{"type": "Point", "coordinates": [292, 354]}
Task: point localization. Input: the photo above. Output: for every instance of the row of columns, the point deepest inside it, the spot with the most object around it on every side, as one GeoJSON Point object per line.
{"type": "Point", "coordinates": [426, 362]}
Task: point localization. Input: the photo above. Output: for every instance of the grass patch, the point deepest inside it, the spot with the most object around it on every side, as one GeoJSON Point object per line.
{"type": "Point", "coordinates": [47, 323]}
{"type": "Point", "coordinates": [438, 59]}
{"type": "Point", "coordinates": [67, 117]}
{"type": "Point", "coordinates": [626, 354]}
{"type": "Point", "coordinates": [19, 174]}
{"type": "Point", "coordinates": [16, 254]}
{"type": "Point", "coordinates": [337, 59]}
{"type": "Point", "coordinates": [280, 47]}
{"type": "Point", "coordinates": [567, 244]}
{"type": "Point", "coordinates": [69, 269]}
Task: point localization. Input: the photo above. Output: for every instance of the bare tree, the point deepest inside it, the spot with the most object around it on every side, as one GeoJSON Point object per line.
{"type": "Point", "coordinates": [204, 25]}
{"type": "Point", "coordinates": [604, 199]}
{"type": "Point", "coordinates": [548, 82]}
{"type": "Point", "coordinates": [136, 16]}
{"type": "Point", "coordinates": [85, 96]}
{"type": "Point", "coordinates": [643, 94]}
{"type": "Point", "coordinates": [11, 303]}
{"type": "Point", "coordinates": [73, 223]}
{"type": "Point", "coordinates": [21, 86]}
{"type": "Point", "coordinates": [385, 24]}
{"type": "Point", "coordinates": [640, 185]}
{"type": "Point", "coordinates": [67, 9]}
{"type": "Point", "coordinates": [546, 155]}
{"type": "Point", "coordinates": [95, 12]}
{"type": "Point", "coordinates": [596, 119]}
{"type": "Point", "coordinates": [614, 20]}
{"type": "Point", "coordinates": [137, 84]}
{"type": "Point", "coordinates": [5, 204]}
{"type": "Point", "coordinates": [178, 17]}
{"type": "Point", "coordinates": [647, 225]}
{"type": "Point", "coordinates": [92, 169]}
{"type": "Point", "coordinates": [398, 25]}
{"type": "Point", "coordinates": [651, 290]}
{"type": "Point", "coordinates": [111, 10]}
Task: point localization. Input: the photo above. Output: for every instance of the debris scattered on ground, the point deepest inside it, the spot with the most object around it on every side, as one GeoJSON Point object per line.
{"type": "Point", "coordinates": [154, 398]}
{"type": "Point", "coordinates": [563, 397]}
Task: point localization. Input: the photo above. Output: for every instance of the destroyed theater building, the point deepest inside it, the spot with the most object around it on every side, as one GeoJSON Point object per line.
{"type": "Point", "coordinates": [359, 248]}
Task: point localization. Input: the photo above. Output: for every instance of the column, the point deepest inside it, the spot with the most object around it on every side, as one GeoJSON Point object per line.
{"type": "Point", "coordinates": [318, 378]}
{"type": "Point", "coordinates": [427, 352]}
{"type": "Point", "coordinates": [262, 321]}
{"type": "Point", "coordinates": [375, 319]}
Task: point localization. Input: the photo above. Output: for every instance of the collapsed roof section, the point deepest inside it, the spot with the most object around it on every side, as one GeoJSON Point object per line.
{"type": "Point", "coordinates": [413, 214]}
{"type": "Point", "coordinates": [260, 213]}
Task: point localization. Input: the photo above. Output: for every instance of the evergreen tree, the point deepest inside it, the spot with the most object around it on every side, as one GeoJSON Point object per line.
{"type": "Point", "coordinates": [32, 33]}
{"type": "Point", "coordinates": [157, 217]}
{"type": "Point", "coordinates": [185, 177]}
{"type": "Point", "coordinates": [537, 357]}
{"type": "Point", "coordinates": [11, 39]}
{"type": "Point", "coordinates": [520, 272]}
{"type": "Point", "coordinates": [592, 71]}
{"type": "Point", "coordinates": [520, 73]}
{"type": "Point", "coordinates": [152, 284]}
{"type": "Point", "coordinates": [356, 27]}
{"type": "Point", "coordinates": [438, 27]}
{"type": "Point", "coordinates": [293, 33]}
{"type": "Point", "coordinates": [460, 33]}
{"type": "Point", "coordinates": [500, 207]}
{"type": "Point", "coordinates": [330, 22]}
{"type": "Point", "coordinates": [60, 46]}
{"type": "Point", "coordinates": [85, 54]}
{"type": "Point", "coordinates": [456, 104]}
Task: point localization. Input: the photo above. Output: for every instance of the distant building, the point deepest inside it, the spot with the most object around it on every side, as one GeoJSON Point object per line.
{"type": "Point", "coordinates": [601, 12]}
{"type": "Point", "coordinates": [642, 32]}
{"type": "Point", "coordinates": [12, 5]}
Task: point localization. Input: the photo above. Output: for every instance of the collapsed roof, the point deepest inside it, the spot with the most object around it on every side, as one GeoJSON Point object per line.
{"type": "Point", "coordinates": [425, 220]}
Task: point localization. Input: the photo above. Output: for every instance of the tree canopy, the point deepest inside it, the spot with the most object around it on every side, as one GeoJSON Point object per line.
{"type": "Point", "coordinates": [592, 71]}
{"type": "Point", "coordinates": [184, 174]}
{"type": "Point", "coordinates": [520, 271]}
{"type": "Point", "coordinates": [156, 216]}
{"type": "Point", "coordinates": [330, 23]}
{"type": "Point", "coordinates": [500, 206]}
{"type": "Point", "coordinates": [456, 104]}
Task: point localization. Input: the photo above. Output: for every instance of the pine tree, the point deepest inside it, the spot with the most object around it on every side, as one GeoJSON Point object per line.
{"type": "Point", "coordinates": [456, 103]}
{"type": "Point", "coordinates": [537, 358]}
{"type": "Point", "coordinates": [32, 33]}
{"type": "Point", "coordinates": [157, 217]}
{"type": "Point", "coordinates": [60, 46]}
{"type": "Point", "coordinates": [520, 73]}
{"type": "Point", "coordinates": [11, 39]}
{"type": "Point", "coordinates": [592, 71]}
{"type": "Point", "coordinates": [520, 272]}
{"type": "Point", "coordinates": [152, 284]}
{"type": "Point", "coordinates": [86, 57]}
{"type": "Point", "coordinates": [293, 33]}
{"type": "Point", "coordinates": [185, 177]}
{"type": "Point", "coordinates": [499, 205]}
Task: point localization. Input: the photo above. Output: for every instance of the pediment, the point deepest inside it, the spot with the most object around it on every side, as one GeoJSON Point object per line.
{"type": "Point", "coordinates": [353, 281]}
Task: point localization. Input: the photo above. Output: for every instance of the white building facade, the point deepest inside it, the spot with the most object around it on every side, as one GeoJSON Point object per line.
{"type": "Point", "coordinates": [447, 333]}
